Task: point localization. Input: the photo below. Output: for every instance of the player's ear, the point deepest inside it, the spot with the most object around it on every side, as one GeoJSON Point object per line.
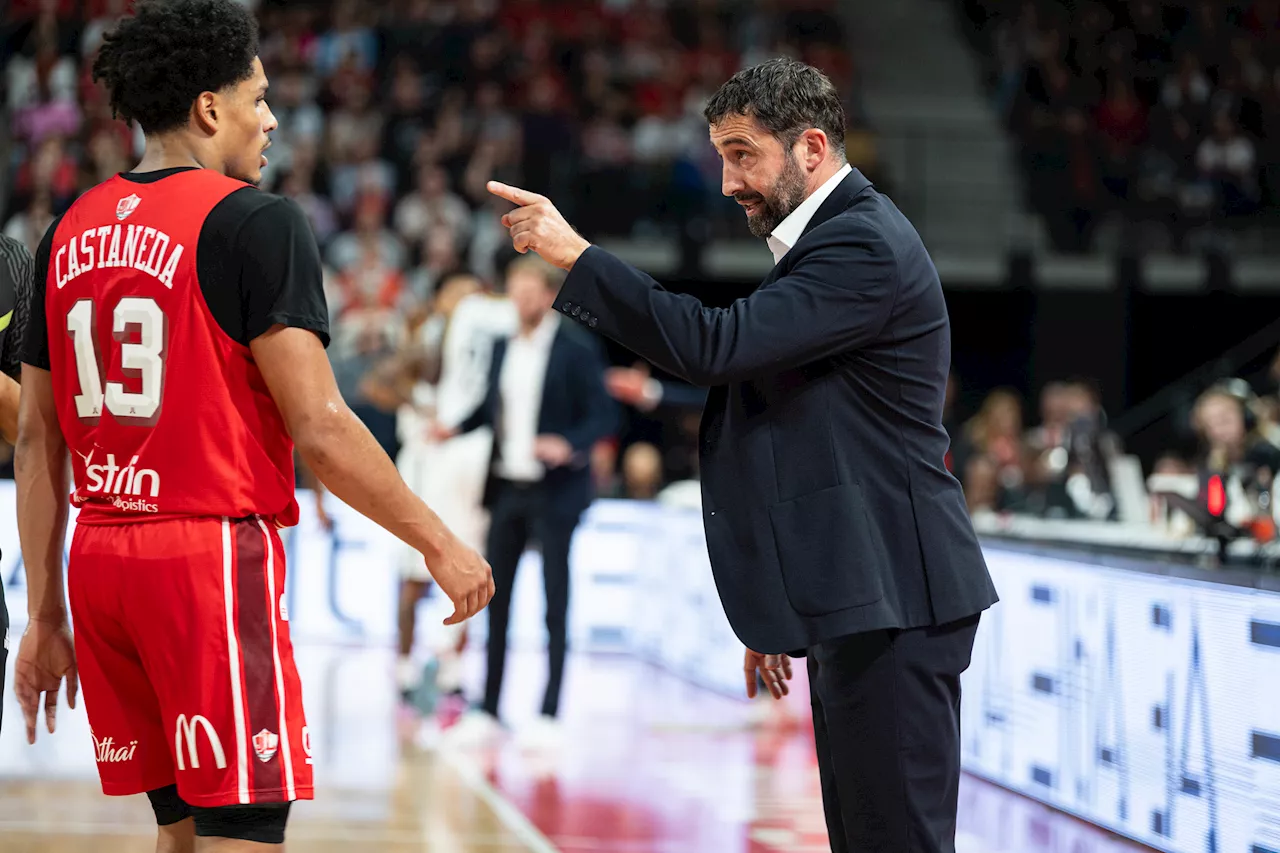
{"type": "Point", "coordinates": [204, 111]}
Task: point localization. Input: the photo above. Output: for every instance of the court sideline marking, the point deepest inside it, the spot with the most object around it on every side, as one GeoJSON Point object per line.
{"type": "Point", "coordinates": [510, 816]}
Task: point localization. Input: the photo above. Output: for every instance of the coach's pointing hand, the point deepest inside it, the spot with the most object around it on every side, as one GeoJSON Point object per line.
{"type": "Point", "coordinates": [537, 226]}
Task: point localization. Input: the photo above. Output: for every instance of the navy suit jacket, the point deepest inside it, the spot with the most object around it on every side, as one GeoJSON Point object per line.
{"type": "Point", "coordinates": [575, 405]}
{"type": "Point", "coordinates": [828, 507]}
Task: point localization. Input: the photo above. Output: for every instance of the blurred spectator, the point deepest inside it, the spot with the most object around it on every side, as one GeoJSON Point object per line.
{"type": "Point", "coordinates": [28, 226]}
{"type": "Point", "coordinates": [641, 472]}
{"type": "Point", "coordinates": [1235, 446]}
{"type": "Point", "coordinates": [1229, 432]}
{"type": "Point", "coordinates": [347, 45]}
{"type": "Point", "coordinates": [1139, 111]}
{"type": "Point", "coordinates": [370, 241]}
{"type": "Point", "coordinates": [439, 260]}
{"type": "Point", "coordinates": [994, 476]}
{"type": "Point", "coordinates": [432, 207]}
{"type": "Point", "coordinates": [1227, 161]}
{"type": "Point", "coordinates": [392, 117]}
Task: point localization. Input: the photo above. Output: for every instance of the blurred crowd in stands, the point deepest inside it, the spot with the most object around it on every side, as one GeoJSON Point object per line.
{"type": "Point", "coordinates": [393, 115]}
{"type": "Point", "coordinates": [1162, 115]}
{"type": "Point", "coordinates": [1071, 464]}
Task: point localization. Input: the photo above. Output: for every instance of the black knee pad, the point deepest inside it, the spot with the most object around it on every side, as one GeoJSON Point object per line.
{"type": "Point", "coordinates": [168, 806]}
{"type": "Point", "coordinates": [262, 824]}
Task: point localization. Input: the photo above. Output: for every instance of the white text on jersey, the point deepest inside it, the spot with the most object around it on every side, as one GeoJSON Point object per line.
{"type": "Point", "coordinates": [126, 486]}
{"type": "Point", "coordinates": [138, 247]}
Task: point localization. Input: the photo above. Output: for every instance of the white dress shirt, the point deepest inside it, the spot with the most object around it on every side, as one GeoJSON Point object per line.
{"type": "Point", "coordinates": [524, 371]}
{"type": "Point", "coordinates": [477, 322]}
{"type": "Point", "coordinates": [789, 230]}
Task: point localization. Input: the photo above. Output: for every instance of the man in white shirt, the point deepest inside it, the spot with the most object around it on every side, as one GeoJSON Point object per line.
{"type": "Point", "coordinates": [547, 405]}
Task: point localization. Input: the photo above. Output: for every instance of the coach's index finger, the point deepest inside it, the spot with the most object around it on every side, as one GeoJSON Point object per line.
{"type": "Point", "coordinates": [515, 195]}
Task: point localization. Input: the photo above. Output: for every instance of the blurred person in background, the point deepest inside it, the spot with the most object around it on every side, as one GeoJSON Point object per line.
{"type": "Point", "coordinates": [634, 386]}
{"type": "Point", "coordinates": [1235, 445]}
{"type": "Point", "coordinates": [416, 383]}
{"type": "Point", "coordinates": [370, 243]}
{"type": "Point", "coordinates": [448, 378]}
{"type": "Point", "coordinates": [17, 273]}
{"type": "Point", "coordinates": [995, 466]}
{"type": "Point", "coordinates": [28, 226]}
{"type": "Point", "coordinates": [547, 407]}
{"type": "Point", "coordinates": [1069, 453]}
{"type": "Point", "coordinates": [1228, 163]}
{"type": "Point", "coordinates": [641, 472]}
{"type": "Point", "coordinates": [432, 207]}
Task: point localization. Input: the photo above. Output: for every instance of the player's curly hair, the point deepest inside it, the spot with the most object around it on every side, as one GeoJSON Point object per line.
{"type": "Point", "coordinates": [157, 61]}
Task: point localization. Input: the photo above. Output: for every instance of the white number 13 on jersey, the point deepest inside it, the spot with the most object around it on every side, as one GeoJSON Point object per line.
{"type": "Point", "coordinates": [145, 359]}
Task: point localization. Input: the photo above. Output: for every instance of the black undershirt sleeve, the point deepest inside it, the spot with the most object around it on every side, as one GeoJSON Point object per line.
{"type": "Point", "coordinates": [35, 343]}
{"type": "Point", "coordinates": [16, 271]}
{"type": "Point", "coordinates": [259, 266]}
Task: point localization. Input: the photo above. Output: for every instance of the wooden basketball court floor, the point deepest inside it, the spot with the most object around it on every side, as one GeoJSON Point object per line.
{"type": "Point", "coordinates": [648, 764]}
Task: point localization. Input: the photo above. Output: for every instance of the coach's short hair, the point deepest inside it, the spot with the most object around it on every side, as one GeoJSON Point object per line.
{"type": "Point", "coordinates": [156, 62]}
{"type": "Point", "coordinates": [787, 97]}
{"type": "Point", "coordinates": [552, 276]}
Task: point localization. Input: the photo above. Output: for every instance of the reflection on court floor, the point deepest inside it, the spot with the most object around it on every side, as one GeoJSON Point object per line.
{"type": "Point", "coordinates": [646, 764]}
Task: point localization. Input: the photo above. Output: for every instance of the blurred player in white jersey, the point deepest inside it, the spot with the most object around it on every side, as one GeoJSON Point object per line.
{"type": "Point", "coordinates": [442, 378]}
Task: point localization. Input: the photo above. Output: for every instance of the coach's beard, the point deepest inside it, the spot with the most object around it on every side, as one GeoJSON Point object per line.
{"type": "Point", "coordinates": [785, 196]}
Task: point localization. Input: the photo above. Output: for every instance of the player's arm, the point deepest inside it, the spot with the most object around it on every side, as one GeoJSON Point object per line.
{"type": "Point", "coordinates": [287, 327]}
{"type": "Point", "coordinates": [46, 654]}
{"type": "Point", "coordinates": [40, 472]}
{"type": "Point", "coordinates": [345, 457]}
{"type": "Point", "coordinates": [9, 397]}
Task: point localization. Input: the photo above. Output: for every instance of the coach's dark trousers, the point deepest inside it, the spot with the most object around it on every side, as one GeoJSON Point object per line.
{"type": "Point", "coordinates": [886, 716]}
{"type": "Point", "coordinates": [520, 513]}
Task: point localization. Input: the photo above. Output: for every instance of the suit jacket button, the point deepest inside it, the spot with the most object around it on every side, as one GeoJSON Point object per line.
{"type": "Point", "coordinates": [592, 322]}
{"type": "Point", "coordinates": [568, 306]}
{"type": "Point", "coordinates": [577, 309]}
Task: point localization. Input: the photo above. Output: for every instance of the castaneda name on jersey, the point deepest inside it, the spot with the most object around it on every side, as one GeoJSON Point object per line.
{"type": "Point", "coordinates": [138, 247]}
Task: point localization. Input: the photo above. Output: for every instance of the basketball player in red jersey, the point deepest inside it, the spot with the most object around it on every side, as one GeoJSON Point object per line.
{"type": "Point", "coordinates": [177, 352]}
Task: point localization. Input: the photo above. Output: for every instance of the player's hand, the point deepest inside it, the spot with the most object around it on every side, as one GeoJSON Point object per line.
{"type": "Point", "coordinates": [774, 670]}
{"type": "Point", "coordinates": [46, 655]}
{"type": "Point", "coordinates": [465, 577]}
{"type": "Point", "coordinates": [553, 451]}
{"type": "Point", "coordinates": [630, 385]}
{"type": "Point", "coordinates": [437, 431]}
{"type": "Point", "coordinates": [537, 226]}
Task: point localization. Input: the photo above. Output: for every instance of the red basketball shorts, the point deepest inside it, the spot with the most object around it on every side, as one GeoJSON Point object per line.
{"type": "Point", "coordinates": [182, 642]}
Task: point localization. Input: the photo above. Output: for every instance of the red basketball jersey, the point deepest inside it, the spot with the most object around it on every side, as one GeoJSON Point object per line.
{"type": "Point", "coordinates": [166, 416]}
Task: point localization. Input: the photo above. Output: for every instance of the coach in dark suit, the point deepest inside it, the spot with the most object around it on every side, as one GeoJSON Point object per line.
{"type": "Point", "coordinates": [832, 523]}
{"type": "Point", "coordinates": [547, 406]}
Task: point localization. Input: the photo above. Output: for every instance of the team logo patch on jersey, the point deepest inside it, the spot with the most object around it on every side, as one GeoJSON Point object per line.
{"type": "Point", "coordinates": [126, 207]}
{"type": "Point", "coordinates": [265, 744]}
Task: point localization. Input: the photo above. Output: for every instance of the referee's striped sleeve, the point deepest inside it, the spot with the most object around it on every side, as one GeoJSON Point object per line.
{"type": "Point", "coordinates": [17, 286]}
